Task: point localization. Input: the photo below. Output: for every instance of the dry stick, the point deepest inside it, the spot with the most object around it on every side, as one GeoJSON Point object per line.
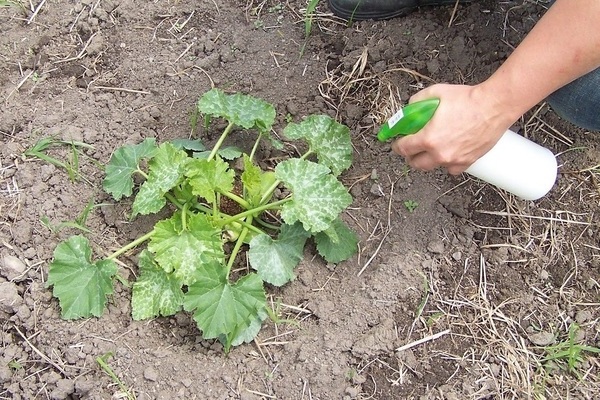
{"type": "Point", "coordinates": [185, 51]}
{"type": "Point", "coordinates": [19, 85]}
{"type": "Point", "coordinates": [35, 13]}
{"type": "Point", "coordinates": [119, 89]}
{"type": "Point", "coordinates": [39, 353]}
{"type": "Point", "coordinates": [424, 340]}
{"type": "Point", "coordinates": [260, 394]}
{"type": "Point", "coordinates": [374, 254]}
{"type": "Point", "coordinates": [453, 14]}
{"type": "Point", "coordinates": [506, 214]}
{"type": "Point", "coordinates": [81, 53]}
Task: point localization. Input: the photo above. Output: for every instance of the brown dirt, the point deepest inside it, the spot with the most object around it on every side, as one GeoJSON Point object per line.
{"type": "Point", "coordinates": [493, 270]}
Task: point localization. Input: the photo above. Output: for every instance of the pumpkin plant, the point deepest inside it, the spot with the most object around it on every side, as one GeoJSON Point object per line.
{"type": "Point", "coordinates": [218, 212]}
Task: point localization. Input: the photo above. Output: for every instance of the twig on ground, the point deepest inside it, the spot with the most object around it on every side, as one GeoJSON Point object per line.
{"type": "Point", "coordinates": [39, 353]}
{"type": "Point", "coordinates": [423, 340]}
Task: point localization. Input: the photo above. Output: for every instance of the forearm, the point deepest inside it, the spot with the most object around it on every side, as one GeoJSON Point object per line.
{"type": "Point", "coordinates": [564, 45]}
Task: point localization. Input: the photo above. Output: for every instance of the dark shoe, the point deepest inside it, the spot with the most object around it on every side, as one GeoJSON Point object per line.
{"type": "Point", "coordinates": [355, 10]}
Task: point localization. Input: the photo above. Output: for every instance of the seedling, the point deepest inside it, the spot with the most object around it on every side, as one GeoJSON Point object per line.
{"type": "Point", "coordinates": [411, 205]}
{"type": "Point", "coordinates": [308, 22]}
{"type": "Point", "coordinates": [189, 259]}
{"type": "Point", "coordinates": [78, 223]}
{"type": "Point", "coordinates": [71, 166]}
{"type": "Point", "coordinates": [568, 355]}
{"type": "Point", "coordinates": [103, 363]}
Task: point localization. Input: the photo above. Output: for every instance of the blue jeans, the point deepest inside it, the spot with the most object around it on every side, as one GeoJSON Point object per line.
{"type": "Point", "coordinates": [579, 101]}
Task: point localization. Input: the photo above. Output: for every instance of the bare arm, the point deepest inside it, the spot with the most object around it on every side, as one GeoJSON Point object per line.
{"type": "Point", "coordinates": [564, 45]}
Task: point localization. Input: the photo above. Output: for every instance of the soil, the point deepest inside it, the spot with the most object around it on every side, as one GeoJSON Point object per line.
{"type": "Point", "coordinates": [488, 279]}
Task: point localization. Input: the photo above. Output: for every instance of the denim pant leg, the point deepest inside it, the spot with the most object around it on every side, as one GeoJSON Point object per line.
{"type": "Point", "coordinates": [579, 101]}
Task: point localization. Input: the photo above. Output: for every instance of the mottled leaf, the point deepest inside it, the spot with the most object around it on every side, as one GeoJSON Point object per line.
{"type": "Point", "coordinates": [207, 178]}
{"type": "Point", "coordinates": [118, 181]}
{"type": "Point", "coordinates": [154, 292]}
{"type": "Point", "coordinates": [329, 139]}
{"type": "Point", "coordinates": [317, 196]}
{"type": "Point", "coordinates": [166, 170]}
{"type": "Point", "coordinates": [81, 286]}
{"type": "Point", "coordinates": [275, 260]}
{"type": "Point", "coordinates": [240, 109]}
{"type": "Point", "coordinates": [184, 251]}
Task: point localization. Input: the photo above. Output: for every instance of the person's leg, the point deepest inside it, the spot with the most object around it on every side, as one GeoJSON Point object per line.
{"type": "Point", "coordinates": [579, 101]}
{"type": "Point", "coordinates": [357, 10]}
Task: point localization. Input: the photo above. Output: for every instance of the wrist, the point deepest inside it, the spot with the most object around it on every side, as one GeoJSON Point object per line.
{"type": "Point", "coordinates": [498, 103]}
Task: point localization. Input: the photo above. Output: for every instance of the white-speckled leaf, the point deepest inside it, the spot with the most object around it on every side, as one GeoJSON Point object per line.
{"type": "Point", "coordinates": [184, 252]}
{"type": "Point", "coordinates": [242, 110]}
{"type": "Point", "coordinates": [166, 170]}
{"type": "Point", "coordinates": [329, 139]}
{"type": "Point", "coordinates": [317, 196]}
{"type": "Point", "coordinates": [155, 292]}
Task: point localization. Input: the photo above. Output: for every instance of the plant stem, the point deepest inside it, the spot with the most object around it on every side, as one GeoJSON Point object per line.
{"type": "Point", "coordinates": [130, 246]}
{"type": "Point", "coordinates": [238, 245]}
{"type": "Point", "coordinates": [184, 212]}
{"type": "Point", "coordinates": [267, 195]}
{"type": "Point", "coordinates": [255, 211]}
{"type": "Point", "coordinates": [267, 225]}
{"type": "Point", "coordinates": [215, 149]}
{"type": "Point", "coordinates": [237, 199]}
{"type": "Point", "coordinates": [255, 147]}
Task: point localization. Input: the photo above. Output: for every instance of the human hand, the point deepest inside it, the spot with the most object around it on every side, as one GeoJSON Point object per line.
{"type": "Point", "coordinates": [465, 126]}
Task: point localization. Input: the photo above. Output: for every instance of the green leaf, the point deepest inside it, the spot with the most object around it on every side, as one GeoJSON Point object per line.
{"type": "Point", "coordinates": [275, 260]}
{"type": "Point", "coordinates": [230, 153]}
{"type": "Point", "coordinates": [326, 137]}
{"type": "Point", "coordinates": [256, 182]}
{"type": "Point", "coordinates": [221, 308]}
{"type": "Point", "coordinates": [240, 109]}
{"type": "Point", "coordinates": [166, 170]}
{"type": "Point", "coordinates": [184, 251]}
{"type": "Point", "coordinates": [188, 144]}
{"type": "Point", "coordinates": [317, 196]}
{"type": "Point", "coordinates": [337, 243]}
{"type": "Point", "coordinates": [208, 178]}
{"type": "Point", "coordinates": [248, 334]}
{"type": "Point", "coordinates": [123, 163]}
{"type": "Point", "coordinates": [81, 286]}
{"type": "Point", "coordinates": [155, 292]}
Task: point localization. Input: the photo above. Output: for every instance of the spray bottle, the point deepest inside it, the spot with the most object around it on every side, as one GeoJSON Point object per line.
{"type": "Point", "coordinates": [514, 164]}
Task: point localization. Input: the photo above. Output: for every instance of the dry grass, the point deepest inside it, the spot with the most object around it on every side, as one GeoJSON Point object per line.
{"type": "Point", "coordinates": [371, 91]}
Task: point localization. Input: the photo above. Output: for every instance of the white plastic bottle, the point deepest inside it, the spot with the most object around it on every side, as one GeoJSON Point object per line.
{"type": "Point", "coordinates": [517, 165]}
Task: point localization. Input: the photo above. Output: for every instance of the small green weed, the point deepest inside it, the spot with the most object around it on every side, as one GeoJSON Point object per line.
{"type": "Point", "coordinates": [103, 363]}
{"type": "Point", "coordinates": [78, 223]}
{"type": "Point", "coordinates": [71, 166]}
{"type": "Point", "coordinates": [568, 355]}
{"type": "Point", "coordinates": [308, 22]}
{"type": "Point", "coordinates": [15, 365]}
{"type": "Point", "coordinates": [411, 205]}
